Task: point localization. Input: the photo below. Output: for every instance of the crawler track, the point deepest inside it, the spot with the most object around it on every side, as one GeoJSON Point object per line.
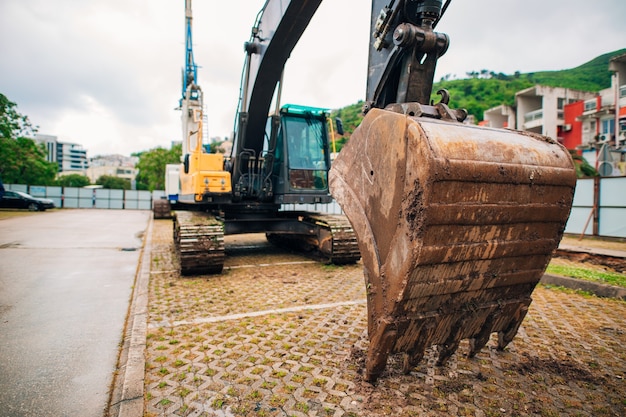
{"type": "Point", "coordinates": [161, 209]}
{"type": "Point", "coordinates": [199, 239]}
{"type": "Point", "coordinates": [333, 241]}
{"type": "Point", "coordinates": [345, 248]}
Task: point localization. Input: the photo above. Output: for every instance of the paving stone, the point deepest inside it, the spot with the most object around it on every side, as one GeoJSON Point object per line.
{"type": "Point", "coordinates": [278, 335]}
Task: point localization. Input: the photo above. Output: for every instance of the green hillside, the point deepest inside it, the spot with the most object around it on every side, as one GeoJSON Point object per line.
{"type": "Point", "coordinates": [484, 90]}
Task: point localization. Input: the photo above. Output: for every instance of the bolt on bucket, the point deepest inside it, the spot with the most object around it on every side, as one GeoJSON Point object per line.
{"type": "Point", "coordinates": [456, 225]}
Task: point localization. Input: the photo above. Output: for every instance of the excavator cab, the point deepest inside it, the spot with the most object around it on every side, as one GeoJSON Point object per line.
{"type": "Point", "coordinates": [302, 158]}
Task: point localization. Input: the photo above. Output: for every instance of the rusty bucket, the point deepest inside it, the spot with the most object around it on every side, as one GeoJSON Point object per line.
{"type": "Point", "coordinates": [456, 225]}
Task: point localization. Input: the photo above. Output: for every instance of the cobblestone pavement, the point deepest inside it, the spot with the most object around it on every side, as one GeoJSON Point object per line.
{"type": "Point", "coordinates": [279, 335]}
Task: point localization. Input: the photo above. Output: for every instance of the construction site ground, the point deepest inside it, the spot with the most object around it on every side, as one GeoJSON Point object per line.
{"type": "Point", "coordinates": [278, 334]}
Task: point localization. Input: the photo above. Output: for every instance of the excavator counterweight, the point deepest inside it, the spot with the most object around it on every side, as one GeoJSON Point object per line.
{"type": "Point", "coordinates": [456, 225]}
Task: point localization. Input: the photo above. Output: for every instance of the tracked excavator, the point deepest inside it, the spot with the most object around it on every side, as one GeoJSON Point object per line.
{"type": "Point", "coordinates": [278, 161]}
{"type": "Point", "coordinates": [455, 223]}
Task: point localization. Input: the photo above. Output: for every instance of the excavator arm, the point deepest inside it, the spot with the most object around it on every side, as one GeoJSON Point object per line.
{"type": "Point", "coordinates": [278, 27]}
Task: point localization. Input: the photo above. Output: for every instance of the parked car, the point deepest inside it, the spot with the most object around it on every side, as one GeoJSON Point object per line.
{"type": "Point", "coordinates": [20, 200]}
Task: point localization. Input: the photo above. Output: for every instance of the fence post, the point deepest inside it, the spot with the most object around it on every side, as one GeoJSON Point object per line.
{"type": "Point", "coordinates": [596, 206]}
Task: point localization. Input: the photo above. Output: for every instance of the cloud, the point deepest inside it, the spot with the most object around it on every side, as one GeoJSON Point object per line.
{"type": "Point", "coordinates": [106, 73]}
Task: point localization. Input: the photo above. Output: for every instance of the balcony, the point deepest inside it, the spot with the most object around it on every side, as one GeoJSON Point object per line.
{"type": "Point", "coordinates": [533, 115]}
{"type": "Point", "coordinates": [533, 119]}
{"type": "Point", "coordinates": [590, 106]}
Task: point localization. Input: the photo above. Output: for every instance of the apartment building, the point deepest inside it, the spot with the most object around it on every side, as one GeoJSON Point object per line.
{"type": "Point", "coordinates": [597, 126]}
{"type": "Point", "coordinates": [540, 109]}
{"type": "Point", "coordinates": [113, 166]}
{"type": "Point", "coordinates": [71, 157]}
{"type": "Point", "coordinates": [593, 123]}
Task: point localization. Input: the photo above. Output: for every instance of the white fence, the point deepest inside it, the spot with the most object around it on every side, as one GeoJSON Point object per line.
{"type": "Point", "coordinates": [71, 197]}
{"type": "Point", "coordinates": [607, 194]}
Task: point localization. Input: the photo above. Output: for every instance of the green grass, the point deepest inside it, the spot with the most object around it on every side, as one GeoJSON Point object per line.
{"type": "Point", "coordinates": [611, 278]}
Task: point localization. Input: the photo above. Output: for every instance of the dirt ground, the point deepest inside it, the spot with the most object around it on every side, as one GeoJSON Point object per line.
{"type": "Point", "coordinates": [280, 335]}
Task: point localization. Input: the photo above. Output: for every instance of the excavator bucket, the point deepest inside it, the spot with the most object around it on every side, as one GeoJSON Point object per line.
{"type": "Point", "coordinates": [456, 225]}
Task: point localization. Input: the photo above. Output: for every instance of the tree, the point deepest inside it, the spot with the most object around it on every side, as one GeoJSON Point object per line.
{"type": "Point", "coordinates": [583, 168]}
{"type": "Point", "coordinates": [113, 183]}
{"type": "Point", "coordinates": [73, 180]}
{"type": "Point", "coordinates": [22, 160]}
{"type": "Point", "coordinates": [12, 123]}
{"type": "Point", "coordinates": [151, 167]}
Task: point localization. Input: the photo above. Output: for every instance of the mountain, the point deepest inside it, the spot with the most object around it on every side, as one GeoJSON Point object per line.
{"type": "Point", "coordinates": [484, 90]}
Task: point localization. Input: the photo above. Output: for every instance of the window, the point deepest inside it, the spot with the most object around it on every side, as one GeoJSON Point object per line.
{"type": "Point", "coordinates": [306, 137]}
{"type": "Point", "coordinates": [590, 105]}
{"type": "Point", "coordinates": [608, 127]}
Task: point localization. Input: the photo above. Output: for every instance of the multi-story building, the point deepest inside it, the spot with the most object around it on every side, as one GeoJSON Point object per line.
{"type": "Point", "coordinates": [71, 157]}
{"type": "Point", "coordinates": [501, 117]}
{"type": "Point", "coordinates": [597, 125]}
{"type": "Point", "coordinates": [580, 120]}
{"type": "Point", "coordinates": [540, 109]}
{"type": "Point", "coordinates": [112, 165]}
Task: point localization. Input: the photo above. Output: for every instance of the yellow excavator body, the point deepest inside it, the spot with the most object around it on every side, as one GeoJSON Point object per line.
{"type": "Point", "coordinates": [205, 176]}
{"type": "Point", "coordinates": [456, 224]}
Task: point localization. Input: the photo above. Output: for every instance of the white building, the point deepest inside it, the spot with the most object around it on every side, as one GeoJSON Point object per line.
{"type": "Point", "coordinates": [499, 117]}
{"type": "Point", "coordinates": [113, 166]}
{"type": "Point", "coordinates": [540, 108]}
{"type": "Point", "coordinates": [71, 157]}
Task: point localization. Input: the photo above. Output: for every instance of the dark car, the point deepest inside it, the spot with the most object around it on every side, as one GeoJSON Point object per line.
{"type": "Point", "coordinates": [20, 200]}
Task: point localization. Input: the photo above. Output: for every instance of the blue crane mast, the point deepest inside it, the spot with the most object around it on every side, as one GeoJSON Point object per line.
{"type": "Point", "coordinates": [190, 73]}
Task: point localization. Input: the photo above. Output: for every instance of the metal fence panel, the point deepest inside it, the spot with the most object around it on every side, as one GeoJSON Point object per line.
{"type": "Point", "coordinates": [131, 204]}
{"type": "Point", "coordinates": [137, 200]}
{"type": "Point", "coordinates": [577, 219]}
{"type": "Point", "coordinates": [16, 187]}
{"type": "Point", "coordinates": [328, 208]}
{"type": "Point", "coordinates": [613, 193]}
{"type": "Point", "coordinates": [612, 222]}
{"type": "Point", "coordinates": [70, 192]}
{"type": "Point", "coordinates": [103, 198]}
{"type": "Point", "coordinates": [70, 202]}
{"type": "Point", "coordinates": [581, 208]}
{"type": "Point", "coordinates": [144, 204]}
{"type": "Point", "coordinates": [52, 192]}
{"type": "Point", "coordinates": [116, 204]}
{"type": "Point", "coordinates": [55, 194]}
{"type": "Point", "coordinates": [583, 196]}
{"type": "Point", "coordinates": [37, 191]}
{"type": "Point", "coordinates": [144, 195]}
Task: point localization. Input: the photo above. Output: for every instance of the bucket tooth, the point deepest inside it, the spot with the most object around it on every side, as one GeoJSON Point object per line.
{"type": "Point", "coordinates": [383, 338]}
{"type": "Point", "coordinates": [481, 338]}
{"type": "Point", "coordinates": [449, 347]}
{"type": "Point", "coordinates": [506, 336]}
{"type": "Point", "coordinates": [415, 353]}
{"type": "Point", "coordinates": [455, 224]}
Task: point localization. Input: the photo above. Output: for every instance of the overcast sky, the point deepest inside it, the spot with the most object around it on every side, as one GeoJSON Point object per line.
{"type": "Point", "coordinates": [107, 73]}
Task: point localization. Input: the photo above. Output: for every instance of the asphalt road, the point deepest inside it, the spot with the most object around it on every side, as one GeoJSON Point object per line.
{"type": "Point", "coordinates": [66, 279]}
